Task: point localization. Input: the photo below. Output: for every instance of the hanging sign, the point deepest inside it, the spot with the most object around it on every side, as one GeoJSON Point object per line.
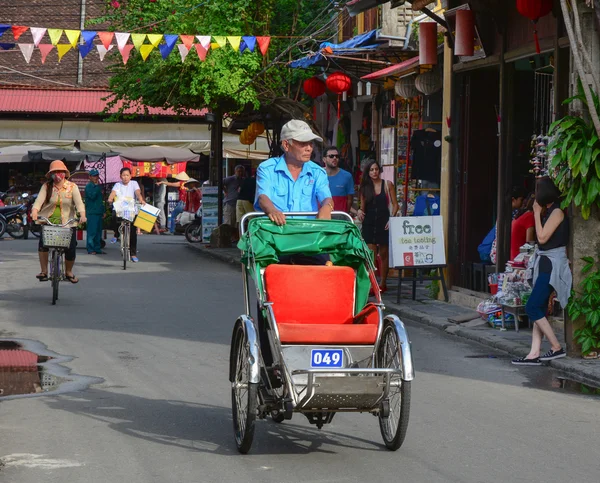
{"type": "Point", "coordinates": [210, 211]}
{"type": "Point", "coordinates": [417, 241]}
{"type": "Point", "coordinates": [81, 179]}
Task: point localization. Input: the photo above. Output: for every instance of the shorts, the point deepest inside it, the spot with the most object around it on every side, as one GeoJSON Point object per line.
{"type": "Point", "coordinates": [69, 252]}
{"type": "Point", "coordinates": [537, 305]}
{"type": "Point", "coordinates": [241, 208]}
{"type": "Point", "coordinates": [229, 214]}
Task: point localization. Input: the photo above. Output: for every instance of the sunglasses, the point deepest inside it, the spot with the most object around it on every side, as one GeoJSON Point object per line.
{"type": "Point", "coordinates": [333, 155]}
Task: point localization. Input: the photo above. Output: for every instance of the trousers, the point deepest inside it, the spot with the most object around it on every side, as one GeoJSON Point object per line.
{"type": "Point", "coordinates": [94, 233]}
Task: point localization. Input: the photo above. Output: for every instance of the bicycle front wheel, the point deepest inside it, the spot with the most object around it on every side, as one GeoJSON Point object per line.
{"type": "Point", "coordinates": [125, 245]}
{"type": "Point", "coordinates": [55, 273]}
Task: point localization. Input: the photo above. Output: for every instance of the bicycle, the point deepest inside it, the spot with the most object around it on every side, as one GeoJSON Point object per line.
{"type": "Point", "coordinates": [57, 238]}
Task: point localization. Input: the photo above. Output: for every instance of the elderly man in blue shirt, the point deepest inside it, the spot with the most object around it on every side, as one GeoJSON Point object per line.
{"type": "Point", "coordinates": [292, 182]}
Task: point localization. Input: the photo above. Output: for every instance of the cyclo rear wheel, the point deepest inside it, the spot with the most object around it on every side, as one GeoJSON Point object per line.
{"type": "Point", "coordinates": [394, 424]}
{"type": "Point", "coordinates": [244, 394]}
{"type": "Point", "coordinates": [55, 274]}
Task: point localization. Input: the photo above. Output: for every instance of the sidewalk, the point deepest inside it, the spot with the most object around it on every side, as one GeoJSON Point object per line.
{"type": "Point", "coordinates": [445, 316]}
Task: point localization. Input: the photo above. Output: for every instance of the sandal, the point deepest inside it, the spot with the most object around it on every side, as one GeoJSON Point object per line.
{"type": "Point", "coordinates": [72, 278]}
{"type": "Point", "coordinates": [42, 277]}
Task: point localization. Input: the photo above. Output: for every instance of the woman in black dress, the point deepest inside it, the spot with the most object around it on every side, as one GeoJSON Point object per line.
{"type": "Point", "coordinates": [377, 202]}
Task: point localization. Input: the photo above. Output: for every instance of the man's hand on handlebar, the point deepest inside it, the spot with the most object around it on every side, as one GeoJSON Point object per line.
{"type": "Point", "coordinates": [277, 217]}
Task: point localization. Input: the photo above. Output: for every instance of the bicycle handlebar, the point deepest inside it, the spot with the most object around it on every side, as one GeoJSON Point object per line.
{"type": "Point", "coordinates": [48, 222]}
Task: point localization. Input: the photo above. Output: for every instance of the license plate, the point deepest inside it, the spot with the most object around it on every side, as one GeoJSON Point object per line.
{"type": "Point", "coordinates": [327, 358]}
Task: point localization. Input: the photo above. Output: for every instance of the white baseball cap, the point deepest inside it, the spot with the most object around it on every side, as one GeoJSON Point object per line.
{"type": "Point", "coordinates": [298, 131]}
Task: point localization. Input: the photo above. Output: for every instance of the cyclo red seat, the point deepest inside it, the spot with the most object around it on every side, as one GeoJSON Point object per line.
{"type": "Point", "coordinates": [315, 305]}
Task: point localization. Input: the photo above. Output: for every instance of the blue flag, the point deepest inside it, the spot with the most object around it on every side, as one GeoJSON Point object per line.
{"type": "Point", "coordinates": [7, 46]}
{"type": "Point", "coordinates": [88, 36]}
{"type": "Point", "coordinates": [250, 43]}
{"type": "Point", "coordinates": [167, 47]}
{"type": "Point", "coordinates": [3, 28]}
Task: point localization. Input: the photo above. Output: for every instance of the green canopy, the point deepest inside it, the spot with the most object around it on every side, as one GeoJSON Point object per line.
{"type": "Point", "coordinates": [265, 242]}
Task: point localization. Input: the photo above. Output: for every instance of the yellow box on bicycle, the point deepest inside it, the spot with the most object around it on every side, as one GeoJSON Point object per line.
{"type": "Point", "coordinates": [146, 218]}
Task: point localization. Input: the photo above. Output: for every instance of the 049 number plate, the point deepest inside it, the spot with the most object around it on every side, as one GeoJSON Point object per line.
{"type": "Point", "coordinates": [327, 358]}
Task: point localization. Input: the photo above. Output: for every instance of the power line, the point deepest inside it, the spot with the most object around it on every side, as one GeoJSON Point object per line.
{"type": "Point", "coordinates": [37, 77]}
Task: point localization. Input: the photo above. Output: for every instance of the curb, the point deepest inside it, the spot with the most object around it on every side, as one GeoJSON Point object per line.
{"type": "Point", "coordinates": [214, 253]}
{"type": "Point", "coordinates": [574, 367]}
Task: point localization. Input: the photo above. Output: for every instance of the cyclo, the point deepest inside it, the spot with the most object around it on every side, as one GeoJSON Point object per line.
{"type": "Point", "coordinates": [317, 346]}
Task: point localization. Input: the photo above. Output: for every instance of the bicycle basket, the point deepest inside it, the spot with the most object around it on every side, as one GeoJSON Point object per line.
{"type": "Point", "coordinates": [56, 236]}
{"type": "Point", "coordinates": [128, 215]}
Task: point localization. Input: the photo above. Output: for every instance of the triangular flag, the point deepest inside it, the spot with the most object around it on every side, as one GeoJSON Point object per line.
{"type": "Point", "coordinates": [263, 44]}
{"type": "Point", "coordinates": [155, 39]}
{"type": "Point", "coordinates": [122, 38]}
{"type": "Point", "coordinates": [63, 49]}
{"type": "Point", "coordinates": [138, 40]}
{"type": "Point", "coordinates": [7, 46]}
{"type": "Point", "coordinates": [204, 41]}
{"type": "Point", "coordinates": [103, 50]}
{"type": "Point", "coordinates": [73, 36]}
{"type": "Point", "coordinates": [18, 30]}
{"type": "Point", "coordinates": [221, 41]}
{"type": "Point", "coordinates": [106, 39]}
{"type": "Point", "coordinates": [45, 50]}
{"type": "Point", "coordinates": [88, 36]}
{"type": "Point", "coordinates": [145, 50]}
{"type": "Point", "coordinates": [167, 47]}
{"type": "Point", "coordinates": [3, 28]}
{"type": "Point", "coordinates": [183, 51]}
{"type": "Point", "coordinates": [125, 51]}
{"type": "Point", "coordinates": [37, 34]}
{"type": "Point", "coordinates": [85, 49]}
{"type": "Point", "coordinates": [187, 40]}
{"type": "Point", "coordinates": [214, 46]}
{"type": "Point", "coordinates": [55, 35]}
{"type": "Point", "coordinates": [26, 50]}
{"type": "Point", "coordinates": [201, 52]}
{"type": "Point", "coordinates": [250, 42]}
{"type": "Point", "coordinates": [234, 42]}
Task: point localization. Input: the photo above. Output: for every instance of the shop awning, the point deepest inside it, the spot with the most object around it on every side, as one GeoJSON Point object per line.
{"type": "Point", "coordinates": [358, 6]}
{"type": "Point", "coordinates": [158, 154]}
{"type": "Point", "coordinates": [396, 69]}
{"type": "Point", "coordinates": [73, 156]}
{"type": "Point", "coordinates": [19, 153]}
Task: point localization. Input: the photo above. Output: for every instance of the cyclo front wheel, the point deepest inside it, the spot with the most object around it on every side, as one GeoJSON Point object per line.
{"type": "Point", "coordinates": [55, 274]}
{"type": "Point", "coordinates": [394, 415]}
{"type": "Point", "coordinates": [244, 394]}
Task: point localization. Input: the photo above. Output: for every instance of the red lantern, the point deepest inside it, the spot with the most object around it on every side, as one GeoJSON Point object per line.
{"type": "Point", "coordinates": [427, 43]}
{"type": "Point", "coordinates": [314, 87]}
{"type": "Point", "coordinates": [339, 83]}
{"type": "Point", "coordinates": [534, 10]}
{"type": "Point", "coordinates": [464, 44]}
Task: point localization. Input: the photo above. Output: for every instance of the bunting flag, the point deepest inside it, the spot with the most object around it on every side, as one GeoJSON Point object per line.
{"type": "Point", "coordinates": [234, 42]}
{"type": "Point", "coordinates": [26, 50]}
{"type": "Point", "coordinates": [18, 30]}
{"type": "Point", "coordinates": [204, 41]}
{"type": "Point", "coordinates": [183, 51]}
{"type": "Point", "coordinates": [155, 39]}
{"type": "Point", "coordinates": [3, 28]}
{"type": "Point", "coordinates": [138, 40]}
{"type": "Point", "coordinates": [88, 36]}
{"type": "Point", "coordinates": [37, 34]}
{"type": "Point", "coordinates": [73, 36]}
{"type": "Point", "coordinates": [187, 40]}
{"type": "Point", "coordinates": [125, 51]}
{"type": "Point", "coordinates": [145, 50]}
{"type": "Point", "coordinates": [45, 50]}
{"type": "Point", "coordinates": [263, 44]}
{"type": "Point", "coordinates": [220, 41]}
{"type": "Point", "coordinates": [55, 35]}
{"type": "Point", "coordinates": [62, 50]}
{"type": "Point", "coordinates": [7, 46]}
{"type": "Point", "coordinates": [167, 47]}
{"type": "Point", "coordinates": [102, 50]}
{"type": "Point", "coordinates": [85, 49]}
{"type": "Point", "coordinates": [122, 38]}
{"type": "Point", "coordinates": [249, 43]}
{"type": "Point", "coordinates": [106, 38]}
{"type": "Point", "coordinates": [201, 51]}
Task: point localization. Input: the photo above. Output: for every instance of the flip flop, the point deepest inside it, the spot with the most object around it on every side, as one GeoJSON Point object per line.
{"type": "Point", "coordinates": [72, 279]}
{"type": "Point", "coordinates": [42, 277]}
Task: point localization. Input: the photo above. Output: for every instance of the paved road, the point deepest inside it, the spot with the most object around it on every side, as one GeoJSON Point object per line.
{"type": "Point", "coordinates": [158, 335]}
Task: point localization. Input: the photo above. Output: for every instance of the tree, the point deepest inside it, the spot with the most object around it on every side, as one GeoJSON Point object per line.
{"type": "Point", "coordinates": [226, 80]}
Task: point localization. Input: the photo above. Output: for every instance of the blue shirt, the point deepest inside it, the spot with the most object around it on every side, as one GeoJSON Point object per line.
{"type": "Point", "coordinates": [341, 185]}
{"type": "Point", "coordinates": [273, 179]}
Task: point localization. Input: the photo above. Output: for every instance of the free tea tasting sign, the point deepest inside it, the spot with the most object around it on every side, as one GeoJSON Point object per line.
{"type": "Point", "coordinates": [417, 241]}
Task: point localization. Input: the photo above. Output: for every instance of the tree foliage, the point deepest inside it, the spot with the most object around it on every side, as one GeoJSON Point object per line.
{"type": "Point", "coordinates": [221, 81]}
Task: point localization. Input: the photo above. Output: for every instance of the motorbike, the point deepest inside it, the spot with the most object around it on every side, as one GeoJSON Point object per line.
{"type": "Point", "coordinates": [13, 218]}
{"type": "Point", "coordinates": [193, 230]}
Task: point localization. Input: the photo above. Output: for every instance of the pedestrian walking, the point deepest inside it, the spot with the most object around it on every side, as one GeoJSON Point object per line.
{"type": "Point", "coordinates": [377, 203]}
{"type": "Point", "coordinates": [232, 186]}
{"type": "Point", "coordinates": [181, 178]}
{"type": "Point", "coordinates": [245, 198]}
{"type": "Point", "coordinates": [94, 208]}
{"type": "Point", "coordinates": [341, 183]}
{"type": "Point", "coordinates": [160, 193]}
{"type": "Point", "coordinates": [551, 271]}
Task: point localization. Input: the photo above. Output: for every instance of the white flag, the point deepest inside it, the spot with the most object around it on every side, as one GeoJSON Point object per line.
{"type": "Point", "coordinates": [37, 34]}
{"type": "Point", "coordinates": [103, 50]}
{"type": "Point", "coordinates": [122, 38]}
{"type": "Point", "coordinates": [183, 51]}
{"type": "Point", "coordinates": [27, 51]}
{"type": "Point", "coordinates": [204, 41]}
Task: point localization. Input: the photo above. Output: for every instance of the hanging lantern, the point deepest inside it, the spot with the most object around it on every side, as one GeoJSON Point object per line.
{"type": "Point", "coordinates": [246, 137]}
{"type": "Point", "coordinates": [359, 89]}
{"type": "Point", "coordinates": [405, 87]}
{"type": "Point", "coordinates": [339, 83]}
{"type": "Point", "coordinates": [429, 82]}
{"type": "Point", "coordinates": [534, 10]}
{"type": "Point", "coordinates": [428, 43]}
{"type": "Point", "coordinates": [314, 87]}
{"type": "Point", "coordinates": [464, 44]}
{"type": "Point", "coordinates": [256, 128]}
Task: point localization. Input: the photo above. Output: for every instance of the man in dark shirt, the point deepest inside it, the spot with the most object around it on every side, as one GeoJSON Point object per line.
{"type": "Point", "coordinates": [245, 201]}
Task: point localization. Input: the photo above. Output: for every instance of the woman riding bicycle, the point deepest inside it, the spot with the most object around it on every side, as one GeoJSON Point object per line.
{"type": "Point", "coordinates": [58, 200]}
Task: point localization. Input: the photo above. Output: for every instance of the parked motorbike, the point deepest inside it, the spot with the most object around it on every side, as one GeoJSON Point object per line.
{"type": "Point", "coordinates": [13, 218]}
{"type": "Point", "coordinates": [33, 228]}
{"type": "Point", "coordinates": [193, 231]}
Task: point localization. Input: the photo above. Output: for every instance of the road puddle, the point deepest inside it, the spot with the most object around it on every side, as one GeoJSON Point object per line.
{"type": "Point", "coordinates": [574, 387]}
{"type": "Point", "coordinates": [28, 369]}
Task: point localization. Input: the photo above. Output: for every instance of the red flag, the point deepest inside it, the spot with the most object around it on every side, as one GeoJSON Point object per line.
{"type": "Point", "coordinates": [125, 51]}
{"type": "Point", "coordinates": [263, 44]}
{"type": "Point", "coordinates": [187, 40]}
{"type": "Point", "coordinates": [106, 38]}
{"type": "Point", "coordinates": [201, 52]}
{"type": "Point", "coordinates": [45, 50]}
{"type": "Point", "coordinates": [18, 30]}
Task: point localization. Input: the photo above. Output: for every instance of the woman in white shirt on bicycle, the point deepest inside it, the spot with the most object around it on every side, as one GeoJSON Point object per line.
{"type": "Point", "coordinates": [123, 190]}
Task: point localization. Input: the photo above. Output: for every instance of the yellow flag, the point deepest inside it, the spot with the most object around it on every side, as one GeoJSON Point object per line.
{"type": "Point", "coordinates": [155, 39]}
{"type": "Point", "coordinates": [235, 42]}
{"type": "Point", "coordinates": [214, 46]}
{"type": "Point", "coordinates": [55, 35]}
{"type": "Point", "coordinates": [145, 50]}
{"type": "Point", "coordinates": [73, 36]}
{"type": "Point", "coordinates": [63, 49]}
{"type": "Point", "coordinates": [138, 40]}
{"type": "Point", "coordinates": [221, 41]}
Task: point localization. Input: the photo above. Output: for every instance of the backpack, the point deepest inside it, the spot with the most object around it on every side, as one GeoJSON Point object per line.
{"type": "Point", "coordinates": [485, 248]}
